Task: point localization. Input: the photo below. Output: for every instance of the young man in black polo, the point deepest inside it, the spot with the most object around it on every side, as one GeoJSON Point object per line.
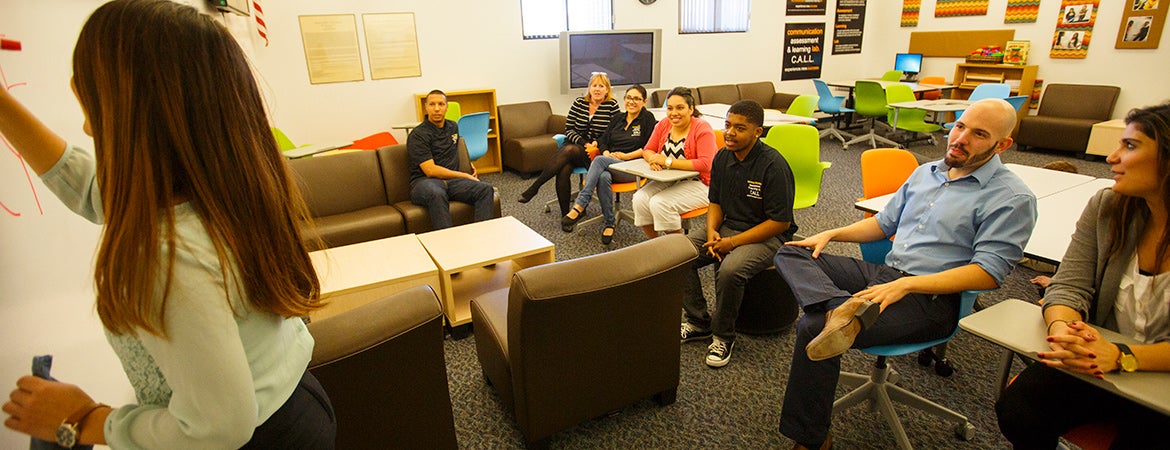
{"type": "Point", "coordinates": [435, 178]}
{"type": "Point", "coordinates": [750, 217]}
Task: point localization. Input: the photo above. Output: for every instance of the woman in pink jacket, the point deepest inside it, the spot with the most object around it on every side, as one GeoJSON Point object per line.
{"type": "Point", "coordinates": [681, 141]}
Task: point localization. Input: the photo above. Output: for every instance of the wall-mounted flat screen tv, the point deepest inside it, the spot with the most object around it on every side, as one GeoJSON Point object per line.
{"type": "Point", "coordinates": [627, 57]}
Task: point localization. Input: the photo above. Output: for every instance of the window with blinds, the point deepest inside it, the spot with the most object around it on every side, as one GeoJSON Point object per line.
{"type": "Point", "coordinates": [546, 19]}
{"type": "Point", "coordinates": [713, 16]}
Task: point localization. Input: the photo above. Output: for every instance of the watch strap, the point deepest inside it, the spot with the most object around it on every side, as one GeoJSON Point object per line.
{"type": "Point", "coordinates": [74, 420]}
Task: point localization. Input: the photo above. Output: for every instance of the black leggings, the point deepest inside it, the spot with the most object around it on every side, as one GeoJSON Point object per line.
{"type": "Point", "coordinates": [1043, 403]}
{"type": "Point", "coordinates": [560, 165]}
{"type": "Point", "coordinates": [305, 421]}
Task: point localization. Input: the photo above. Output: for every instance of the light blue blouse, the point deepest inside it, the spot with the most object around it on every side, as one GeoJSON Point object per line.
{"type": "Point", "coordinates": [224, 368]}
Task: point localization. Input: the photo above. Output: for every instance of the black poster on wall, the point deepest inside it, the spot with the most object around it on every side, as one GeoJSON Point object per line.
{"type": "Point", "coordinates": [848, 29]}
{"type": "Point", "coordinates": [803, 50]}
{"type": "Point", "coordinates": [806, 7]}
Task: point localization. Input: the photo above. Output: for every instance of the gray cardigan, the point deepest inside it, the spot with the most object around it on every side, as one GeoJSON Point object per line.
{"type": "Point", "coordinates": [1088, 278]}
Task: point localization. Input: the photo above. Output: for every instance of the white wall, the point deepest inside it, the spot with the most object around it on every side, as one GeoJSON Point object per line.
{"type": "Point", "coordinates": [46, 259]}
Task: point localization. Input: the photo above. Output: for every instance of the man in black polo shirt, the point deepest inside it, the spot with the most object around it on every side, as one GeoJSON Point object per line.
{"type": "Point", "coordinates": [750, 217]}
{"type": "Point", "coordinates": [435, 178]}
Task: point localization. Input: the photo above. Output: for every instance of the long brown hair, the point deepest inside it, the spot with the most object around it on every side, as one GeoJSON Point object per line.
{"type": "Point", "coordinates": [1153, 121]}
{"type": "Point", "coordinates": [177, 117]}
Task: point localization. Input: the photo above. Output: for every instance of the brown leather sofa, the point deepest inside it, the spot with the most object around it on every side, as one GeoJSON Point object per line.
{"type": "Point", "coordinates": [365, 195]}
{"type": "Point", "coordinates": [548, 346]}
{"type": "Point", "coordinates": [763, 92]}
{"type": "Point", "coordinates": [383, 367]}
{"type": "Point", "coordinates": [526, 131]}
{"type": "Point", "coordinates": [1066, 116]}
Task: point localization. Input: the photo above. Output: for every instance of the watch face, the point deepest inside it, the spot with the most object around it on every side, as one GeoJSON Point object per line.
{"type": "Point", "coordinates": [1128, 363]}
{"type": "Point", "coordinates": [67, 435]}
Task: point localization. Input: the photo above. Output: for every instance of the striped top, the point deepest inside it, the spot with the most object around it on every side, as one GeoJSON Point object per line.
{"type": "Point", "coordinates": [581, 128]}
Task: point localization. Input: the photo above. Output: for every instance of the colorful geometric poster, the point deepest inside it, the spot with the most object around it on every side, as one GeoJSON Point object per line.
{"type": "Point", "coordinates": [1074, 29]}
{"type": "Point", "coordinates": [910, 12]}
{"type": "Point", "coordinates": [1021, 11]}
{"type": "Point", "coordinates": [956, 8]}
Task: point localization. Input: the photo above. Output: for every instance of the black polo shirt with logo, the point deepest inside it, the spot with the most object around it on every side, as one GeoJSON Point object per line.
{"type": "Point", "coordinates": [759, 188]}
{"type": "Point", "coordinates": [428, 141]}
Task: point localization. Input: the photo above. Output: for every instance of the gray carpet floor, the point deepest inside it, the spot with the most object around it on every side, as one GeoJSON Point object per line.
{"type": "Point", "coordinates": [738, 406]}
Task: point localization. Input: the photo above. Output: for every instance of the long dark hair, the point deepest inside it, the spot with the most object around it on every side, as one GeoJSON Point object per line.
{"type": "Point", "coordinates": [1153, 121]}
{"type": "Point", "coordinates": [686, 95]}
{"type": "Point", "coordinates": [177, 117]}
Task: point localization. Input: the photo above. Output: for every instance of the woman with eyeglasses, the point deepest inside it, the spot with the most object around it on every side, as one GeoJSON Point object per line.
{"type": "Point", "coordinates": [684, 141]}
{"type": "Point", "coordinates": [622, 141]}
{"type": "Point", "coordinates": [587, 120]}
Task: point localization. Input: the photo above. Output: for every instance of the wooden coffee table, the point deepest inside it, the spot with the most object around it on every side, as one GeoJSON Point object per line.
{"type": "Point", "coordinates": [481, 257]}
{"type": "Point", "coordinates": [356, 274]}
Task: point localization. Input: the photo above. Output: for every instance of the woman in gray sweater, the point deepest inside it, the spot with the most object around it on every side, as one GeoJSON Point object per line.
{"type": "Point", "coordinates": [1114, 275]}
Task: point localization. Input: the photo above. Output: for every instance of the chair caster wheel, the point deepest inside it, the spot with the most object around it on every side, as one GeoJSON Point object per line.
{"type": "Point", "coordinates": [965, 431]}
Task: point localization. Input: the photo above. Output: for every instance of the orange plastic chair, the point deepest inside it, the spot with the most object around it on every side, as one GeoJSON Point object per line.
{"type": "Point", "coordinates": [935, 94]}
{"type": "Point", "coordinates": [883, 170]}
{"type": "Point", "coordinates": [374, 141]}
{"type": "Point", "coordinates": [719, 144]}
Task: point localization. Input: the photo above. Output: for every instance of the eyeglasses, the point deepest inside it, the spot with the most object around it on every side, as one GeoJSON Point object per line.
{"type": "Point", "coordinates": [634, 99]}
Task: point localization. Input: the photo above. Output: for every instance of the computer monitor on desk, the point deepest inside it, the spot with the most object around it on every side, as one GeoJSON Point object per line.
{"type": "Point", "coordinates": [909, 63]}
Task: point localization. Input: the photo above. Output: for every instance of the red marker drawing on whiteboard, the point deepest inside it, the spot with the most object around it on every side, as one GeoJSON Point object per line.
{"type": "Point", "coordinates": [10, 44]}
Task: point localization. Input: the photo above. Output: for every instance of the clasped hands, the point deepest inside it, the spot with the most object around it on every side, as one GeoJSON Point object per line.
{"type": "Point", "coordinates": [717, 246]}
{"type": "Point", "coordinates": [657, 161]}
{"type": "Point", "coordinates": [1078, 347]}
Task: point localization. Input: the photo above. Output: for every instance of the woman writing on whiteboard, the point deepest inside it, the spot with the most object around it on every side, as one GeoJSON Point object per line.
{"type": "Point", "coordinates": [588, 118]}
{"type": "Point", "coordinates": [201, 274]}
{"type": "Point", "coordinates": [683, 141]}
{"type": "Point", "coordinates": [622, 141]}
{"type": "Point", "coordinates": [1115, 275]}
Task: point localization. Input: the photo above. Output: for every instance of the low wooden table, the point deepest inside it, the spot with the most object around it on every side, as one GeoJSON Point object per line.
{"type": "Point", "coordinates": [1105, 137]}
{"type": "Point", "coordinates": [356, 274]}
{"type": "Point", "coordinates": [480, 257]}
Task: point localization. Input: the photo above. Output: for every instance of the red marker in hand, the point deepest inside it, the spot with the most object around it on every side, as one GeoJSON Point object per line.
{"type": "Point", "coordinates": [9, 44]}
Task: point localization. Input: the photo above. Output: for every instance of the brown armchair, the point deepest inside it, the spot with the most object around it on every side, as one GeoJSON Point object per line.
{"type": "Point", "coordinates": [1066, 116]}
{"type": "Point", "coordinates": [526, 131]}
{"type": "Point", "coordinates": [382, 365]}
{"type": "Point", "coordinates": [395, 163]}
{"type": "Point", "coordinates": [547, 343]}
{"type": "Point", "coordinates": [764, 93]}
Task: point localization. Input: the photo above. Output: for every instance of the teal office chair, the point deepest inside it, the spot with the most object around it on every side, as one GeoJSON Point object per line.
{"type": "Point", "coordinates": [578, 171]}
{"type": "Point", "coordinates": [454, 111]}
{"type": "Point", "coordinates": [473, 128]}
{"type": "Point", "coordinates": [1017, 102]}
{"type": "Point", "coordinates": [912, 120]}
{"type": "Point", "coordinates": [870, 101]}
{"type": "Point", "coordinates": [804, 106]}
{"type": "Point", "coordinates": [878, 388]}
{"type": "Point", "coordinates": [985, 90]}
{"type": "Point", "coordinates": [833, 106]}
{"type": "Point", "coordinates": [892, 75]}
{"type": "Point", "coordinates": [800, 145]}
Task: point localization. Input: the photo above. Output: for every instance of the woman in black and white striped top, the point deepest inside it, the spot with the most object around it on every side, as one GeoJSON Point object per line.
{"type": "Point", "coordinates": [587, 120]}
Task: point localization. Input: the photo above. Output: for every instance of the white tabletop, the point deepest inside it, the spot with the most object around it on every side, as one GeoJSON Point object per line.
{"type": "Point", "coordinates": [916, 87]}
{"type": "Point", "coordinates": [1019, 326]}
{"type": "Point", "coordinates": [1057, 220]}
{"type": "Point", "coordinates": [1044, 182]}
{"type": "Point", "coordinates": [371, 262]}
{"type": "Point", "coordinates": [941, 105]}
{"type": "Point", "coordinates": [313, 149]}
{"type": "Point", "coordinates": [479, 243]}
{"type": "Point", "coordinates": [716, 113]}
{"type": "Point", "coordinates": [641, 168]}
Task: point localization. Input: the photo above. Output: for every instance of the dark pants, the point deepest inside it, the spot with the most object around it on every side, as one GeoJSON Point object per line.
{"type": "Point", "coordinates": [825, 283]}
{"type": "Point", "coordinates": [560, 165]}
{"type": "Point", "coordinates": [436, 195]}
{"type": "Point", "coordinates": [1044, 403]}
{"type": "Point", "coordinates": [305, 421]}
{"type": "Point", "coordinates": [731, 275]}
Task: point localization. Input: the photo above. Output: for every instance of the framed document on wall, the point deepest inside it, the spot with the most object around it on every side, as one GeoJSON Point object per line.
{"type": "Point", "coordinates": [1141, 23]}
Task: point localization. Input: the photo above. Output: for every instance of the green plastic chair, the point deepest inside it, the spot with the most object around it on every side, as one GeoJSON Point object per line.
{"type": "Point", "coordinates": [870, 101]}
{"type": "Point", "coordinates": [454, 111]}
{"type": "Point", "coordinates": [282, 140]}
{"type": "Point", "coordinates": [804, 105]}
{"type": "Point", "coordinates": [800, 145]}
{"type": "Point", "coordinates": [909, 119]}
{"type": "Point", "coordinates": [893, 75]}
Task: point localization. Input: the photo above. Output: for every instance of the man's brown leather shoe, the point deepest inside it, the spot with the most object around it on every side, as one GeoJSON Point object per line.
{"type": "Point", "coordinates": [827, 445]}
{"type": "Point", "coordinates": [841, 327]}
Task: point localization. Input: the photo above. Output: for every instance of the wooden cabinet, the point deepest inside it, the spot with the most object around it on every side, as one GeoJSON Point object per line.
{"type": "Point", "coordinates": [471, 102]}
{"type": "Point", "coordinates": [1021, 79]}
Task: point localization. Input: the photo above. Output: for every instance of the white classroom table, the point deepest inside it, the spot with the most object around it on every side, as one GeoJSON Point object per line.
{"type": "Point", "coordinates": [716, 113]}
{"type": "Point", "coordinates": [640, 168]}
{"type": "Point", "coordinates": [936, 106]}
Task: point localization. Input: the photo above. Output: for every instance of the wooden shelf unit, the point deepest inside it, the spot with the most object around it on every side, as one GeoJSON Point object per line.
{"type": "Point", "coordinates": [474, 101]}
{"type": "Point", "coordinates": [970, 75]}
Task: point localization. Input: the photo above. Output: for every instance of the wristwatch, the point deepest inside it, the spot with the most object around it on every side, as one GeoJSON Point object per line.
{"type": "Point", "coordinates": [1126, 361]}
{"type": "Point", "coordinates": [669, 161]}
{"type": "Point", "coordinates": [70, 429]}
